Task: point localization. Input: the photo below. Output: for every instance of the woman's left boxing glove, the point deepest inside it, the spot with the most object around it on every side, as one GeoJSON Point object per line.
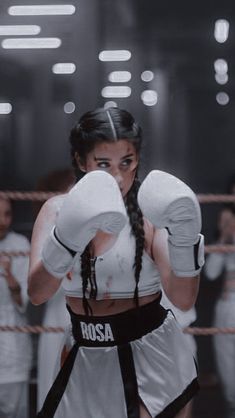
{"type": "Point", "coordinates": [169, 203]}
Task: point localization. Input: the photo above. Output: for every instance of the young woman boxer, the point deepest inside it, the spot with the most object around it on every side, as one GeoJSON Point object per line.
{"type": "Point", "coordinates": [109, 243]}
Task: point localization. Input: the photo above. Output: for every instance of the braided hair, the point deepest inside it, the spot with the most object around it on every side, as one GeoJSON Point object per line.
{"type": "Point", "coordinates": [137, 227]}
{"type": "Point", "coordinates": [95, 127]}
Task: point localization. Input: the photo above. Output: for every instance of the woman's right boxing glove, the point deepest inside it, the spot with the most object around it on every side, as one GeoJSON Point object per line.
{"type": "Point", "coordinates": [94, 203]}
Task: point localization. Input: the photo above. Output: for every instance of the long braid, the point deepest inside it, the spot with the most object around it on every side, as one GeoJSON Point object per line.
{"type": "Point", "coordinates": [85, 273]}
{"type": "Point", "coordinates": [137, 225]}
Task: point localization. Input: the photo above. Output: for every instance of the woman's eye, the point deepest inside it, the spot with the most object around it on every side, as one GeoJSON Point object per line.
{"type": "Point", "coordinates": [103, 164]}
{"type": "Point", "coordinates": [127, 162]}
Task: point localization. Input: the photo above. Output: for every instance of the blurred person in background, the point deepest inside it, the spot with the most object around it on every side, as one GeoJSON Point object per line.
{"type": "Point", "coordinates": [15, 347]}
{"type": "Point", "coordinates": [222, 266]}
{"type": "Point", "coordinates": [54, 311]}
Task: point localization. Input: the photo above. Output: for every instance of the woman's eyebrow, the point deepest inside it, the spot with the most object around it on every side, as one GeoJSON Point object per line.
{"type": "Point", "coordinates": [109, 159]}
{"type": "Point", "coordinates": [127, 156]}
{"type": "Point", "coordinates": [101, 158]}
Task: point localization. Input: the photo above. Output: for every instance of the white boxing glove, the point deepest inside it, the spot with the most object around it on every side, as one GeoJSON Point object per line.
{"type": "Point", "coordinates": [169, 203]}
{"type": "Point", "coordinates": [94, 203]}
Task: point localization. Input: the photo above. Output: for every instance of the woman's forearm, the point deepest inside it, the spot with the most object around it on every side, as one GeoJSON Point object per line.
{"type": "Point", "coordinates": [41, 284]}
{"type": "Point", "coordinates": [182, 291]}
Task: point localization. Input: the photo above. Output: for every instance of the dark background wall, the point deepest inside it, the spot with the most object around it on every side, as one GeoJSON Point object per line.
{"type": "Point", "coordinates": [187, 132]}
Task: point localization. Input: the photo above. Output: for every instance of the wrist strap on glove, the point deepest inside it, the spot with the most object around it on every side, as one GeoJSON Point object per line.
{"type": "Point", "coordinates": [187, 261]}
{"type": "Point", "coordinates": [56, 257]}
{"type": "Point", "coordinates": [72, 252]}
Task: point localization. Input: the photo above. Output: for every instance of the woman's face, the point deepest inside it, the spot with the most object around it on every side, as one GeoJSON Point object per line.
{"type": "Point", "coordinates": [116, 158]}
{"type": "Point", "coordinates": [5, 217]}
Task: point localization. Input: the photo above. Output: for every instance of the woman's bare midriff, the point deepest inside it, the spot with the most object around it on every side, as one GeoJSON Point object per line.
{"type": "Point", "coordinates": [108, 307]}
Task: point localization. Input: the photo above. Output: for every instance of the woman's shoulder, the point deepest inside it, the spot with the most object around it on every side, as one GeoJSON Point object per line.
{"type": "Point", "coordinates": [53, 204]}
{"type": "Point", "coordinates": [49, 211]}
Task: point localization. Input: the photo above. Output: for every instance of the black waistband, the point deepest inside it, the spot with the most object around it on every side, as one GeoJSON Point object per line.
{"type": "Point", "coordinates": [121, 328]}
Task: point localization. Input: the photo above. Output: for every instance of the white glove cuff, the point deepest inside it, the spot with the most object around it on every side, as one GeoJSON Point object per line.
{"type": "Point", "coordinates": [187, 261]}
{"type": "Point", "coordinates": [56, 259]}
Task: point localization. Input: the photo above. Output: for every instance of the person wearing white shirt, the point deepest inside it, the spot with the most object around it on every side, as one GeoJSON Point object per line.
{"type": "Point", "coordinates": [16, 348]}
{"type": "Point", "coordinates": [222, 265]}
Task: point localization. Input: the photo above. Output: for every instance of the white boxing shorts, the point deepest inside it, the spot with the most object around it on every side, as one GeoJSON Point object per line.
{"type": "Point", "coordinates": [117, 360]}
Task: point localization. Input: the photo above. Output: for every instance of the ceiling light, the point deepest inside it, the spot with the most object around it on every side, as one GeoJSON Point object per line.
{"type": "Point", "coordinates": [221, 78]}
{"type": "Point", "coordinates": [116, 91]}
{"type": "Point", "coordinates": [114, 55]}
{"type": "Point", "coordinates": [64, 68]}
{"type": "Point", "coordinates": [69, 107]}
{"type": "Point", "coordinates": [147, 76]}
{"type": "Point", "coordinates": [19, 30]}
{"type": "Point", "coordinates": [49, 9]}
{"type": "Point", "coordinates": [5, 108]}
{"type": "Point", "coordinates": [28, 43]}
{"type": "Point", "coordinates": [222, 98]}
{"type": "Point", "coordinates": [149, 97]}
{"type": "Point", "coordinates": [221, 30]}
{"type": "Point", "coordinates": [109, 104]}
{"type": "Point", "coordinates": [119, 76]}
{"type": "Point", "coordinates": [221, 66]}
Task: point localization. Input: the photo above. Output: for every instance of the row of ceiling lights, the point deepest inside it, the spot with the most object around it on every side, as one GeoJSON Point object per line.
{"type": "Point", "coordinates": [39, 42]}
{"type": "Point", "coordinates": [149, 97]}
{"type": "Point", "coordinates": [32, 10]}
{"type": "Point", "coordinates": [221, 33]}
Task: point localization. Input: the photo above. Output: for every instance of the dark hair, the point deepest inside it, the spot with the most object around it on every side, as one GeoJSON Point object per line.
{"type": "Point", "coordinates": [109, 125]}
{"type": "Point", "coordinates": [102, 125]}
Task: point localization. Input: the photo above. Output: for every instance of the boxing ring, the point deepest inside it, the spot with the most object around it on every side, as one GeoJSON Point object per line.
{"type": "Point", "coordinates": [43, 196]}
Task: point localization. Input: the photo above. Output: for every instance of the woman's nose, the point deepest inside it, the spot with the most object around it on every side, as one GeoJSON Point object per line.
{"type": "Point", "coordinates": [117, 175]}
